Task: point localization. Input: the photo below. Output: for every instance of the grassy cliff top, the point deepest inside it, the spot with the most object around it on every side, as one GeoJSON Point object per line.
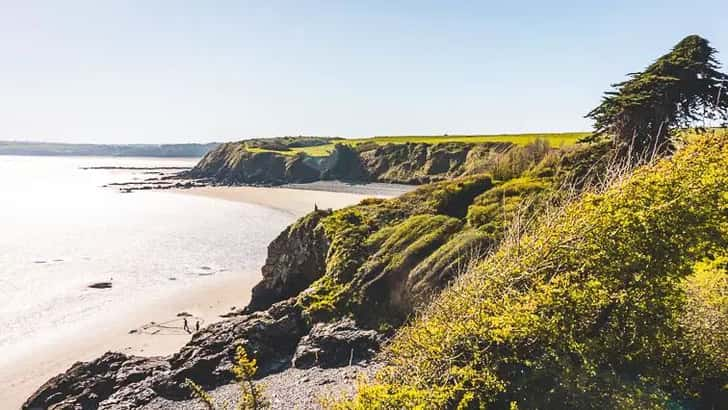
{"type": "Point", "coordinates": [323, 146]}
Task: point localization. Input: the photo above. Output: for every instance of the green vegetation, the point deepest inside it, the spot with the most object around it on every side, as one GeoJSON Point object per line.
{"type": "Point", "coordinates": [677, 91]}
{"type": "Point", "coordinates": [251, 396]}
{"type": "Point", "coordinates": [618, 300]}
{"type": "Point", "coordinates": [572, 278]}
{"type": "Point", "coordinates": [322, 150]}
{"type": "Point", "coordinates": [495, 211]}
{"type": "Point", "coordinates": [387, 256]}
{"type": "Point", "coordinates": [375, 244]}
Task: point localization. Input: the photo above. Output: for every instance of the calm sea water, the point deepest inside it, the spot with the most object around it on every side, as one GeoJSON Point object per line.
{"type": "Point", "coordinates": [61, 231]}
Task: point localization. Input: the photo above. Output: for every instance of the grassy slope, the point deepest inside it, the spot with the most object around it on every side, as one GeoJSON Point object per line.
{"type": "Point", "coordinates": [554, 139]}
{"type": "Point", "coordinates": [377, 283]}
{"type": "Point", "coordinates": [588, 309]}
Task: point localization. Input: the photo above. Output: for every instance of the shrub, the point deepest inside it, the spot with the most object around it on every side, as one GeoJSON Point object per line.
{"type": "Point", "coordinates": [251, 396]}
{"type": "Point", "coordinates": [582, 312]}
{"type": "Point", "coordinates": [494, 211]}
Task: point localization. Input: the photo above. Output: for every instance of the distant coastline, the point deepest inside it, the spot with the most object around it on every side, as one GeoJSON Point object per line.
{"type": "Point", "coordinates": [115, 150]}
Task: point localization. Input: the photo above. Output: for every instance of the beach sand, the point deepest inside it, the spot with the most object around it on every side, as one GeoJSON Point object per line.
{"type": "Point", "coordinates": [22, 374]}
{"type": "Point", "coordinates": [25, 371]}
{"type": "Point", "coordinates": [299, 199]}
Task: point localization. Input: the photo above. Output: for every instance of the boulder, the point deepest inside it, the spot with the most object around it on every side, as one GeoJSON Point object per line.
{"type": "Point", "coordinates": [336, 344]}
{"type": "Point", "coordinates": [86, 385]}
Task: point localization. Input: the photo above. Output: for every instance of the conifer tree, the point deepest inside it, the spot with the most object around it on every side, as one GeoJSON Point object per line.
{"type": "Point", "coordinates": [681, 89]}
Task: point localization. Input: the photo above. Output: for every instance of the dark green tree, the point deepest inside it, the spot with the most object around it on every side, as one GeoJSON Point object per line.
{"type": "Point", "coordinates": [681, 89]}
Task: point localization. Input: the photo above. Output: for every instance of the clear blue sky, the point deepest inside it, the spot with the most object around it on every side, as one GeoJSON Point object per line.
{"type": "Point", "coordinates": [178, 71]}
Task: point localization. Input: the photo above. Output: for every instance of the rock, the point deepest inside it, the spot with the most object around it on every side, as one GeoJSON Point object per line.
{"type": "Point", "coordinates": [118, 381]}
{"type": "Point", "coordinates": [232, 164]}
{"type": "Point", "coordinates": [184, 314]}
{"type": "Point", "coordinates": [336, 344]}
{"type": "Point", "coordinates": [296, 258]}
{"type": "Point", "coordinates": [85, 385]}
{"type": "Point", "coordinates": [100, 285]}
{"type": "Point", "coordinates": [345, 164]}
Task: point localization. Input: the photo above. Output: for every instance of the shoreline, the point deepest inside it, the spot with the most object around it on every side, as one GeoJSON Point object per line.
{"type": "Point", "coordinates": [135, 329]}
{"type": "Point", "coordinates": [289, 198]}
{"type": "Point", "coordinates": [59, 352]}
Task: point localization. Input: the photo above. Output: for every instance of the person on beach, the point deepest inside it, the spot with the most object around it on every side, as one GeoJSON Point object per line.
{"type": "Point", "coordinates": [186, 326]}
{"type": "Point", "coordinates": [197, 326]}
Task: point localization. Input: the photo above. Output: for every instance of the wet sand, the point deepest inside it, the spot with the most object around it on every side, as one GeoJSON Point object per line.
{"type": "Point", "coordinates": [151, 327]}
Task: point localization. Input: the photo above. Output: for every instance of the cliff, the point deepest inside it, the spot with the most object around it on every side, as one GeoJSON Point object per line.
{"type": "Point", "coordinates": [232, 164]}
{"type": "Point", "coordinates": [410, 163]}
{"type": "Point", "coordinates": [337, 284]}
{"type": "Point", "coordinates": [615, 300]}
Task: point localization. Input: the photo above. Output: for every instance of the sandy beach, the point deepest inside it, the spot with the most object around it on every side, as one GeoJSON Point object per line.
{"type": "Point", "coordinates": [152, 326]}
{"type": "Point", "coordinates": [299, 199]}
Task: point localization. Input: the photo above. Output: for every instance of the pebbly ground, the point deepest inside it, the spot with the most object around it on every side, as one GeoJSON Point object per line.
{"type": "Point", "coordinates": [293, 388]}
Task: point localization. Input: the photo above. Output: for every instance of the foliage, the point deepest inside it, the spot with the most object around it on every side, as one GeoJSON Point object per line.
{"type": "Point", "coordinates": [385, 238]}
{"type": "Point", "coordinates": [244, 369]}
{"type": "Point", "coordinates": [494, 211]}
{"type": "Point", "coordinates": [517, 160]}
{"type": "Point", "coordinates": [251, 396]}
{"type": "Point", "coordinates": [201, 394]}
{"type": "Point", "coordinates": [447, 262]}
{"type": "Point", "coordinates": [680, 88]}
{"type": "Point", "coordinates": [585, 310]}
{"type": "Point", "coordinates": [705, 317]}
{"type": "Point", "coordinates": [322, 150]}
{"type": "Point", "coordinates": [376, 267]}
{"type": "Point", "coordinates": [449, 197]}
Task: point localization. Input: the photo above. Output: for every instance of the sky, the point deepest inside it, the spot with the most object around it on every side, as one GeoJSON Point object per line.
{"type": "Point", "coordinates": [198, 71]}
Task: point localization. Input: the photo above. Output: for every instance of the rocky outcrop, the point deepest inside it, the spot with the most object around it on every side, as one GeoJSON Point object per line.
{"type": "Point", "coordinates": [86, 385]}
{"type": "Point", "coordinates": [273, 337]}
{"type": "Point", "coordinates": [296, 258]}
{"type": "Point", "coordinates": [118, 381]}
{"type": "Point", "coordinates": [233, 164]}
{"type": "Point", "coordinates": [415, 163]}
{"type": "Point", "coordinates": [411, 163]}
{"type": "Point", "coordinates": [336, 344]}
{"type": "Point", "coordinates": [345, 164]}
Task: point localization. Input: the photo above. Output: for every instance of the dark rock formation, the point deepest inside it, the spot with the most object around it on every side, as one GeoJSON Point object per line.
{"type": "Point", "coordinates": [100, 285]}
{"type": "Point", "coordinates": [345, 164]}
{"type": "Point", "coordinates": [296, 258]}
{"type": "Point", "coordinates": [118, 381]}
{"type": "Point", "coordinates": [232, 164]}
{"type": "Point", "coordinates": [86, 385]}
{"type": "Point", "coordinates": [416, 163]}
{"type": "Point", "coordinates": [336, 344]}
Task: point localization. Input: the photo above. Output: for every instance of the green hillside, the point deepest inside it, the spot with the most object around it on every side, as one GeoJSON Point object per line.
{"type": "Point", "coordinates": [325, 147]}
{"type": "Point", "coordinates": [620, 296]}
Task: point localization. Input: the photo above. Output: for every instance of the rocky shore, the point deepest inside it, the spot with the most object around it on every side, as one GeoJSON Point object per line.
{"type": "Point", "coordinates": [336, 284]}
{"type": "Point", "coordinates": [273, 329]}
{"type": "Point", "coordinates": [279, 338]}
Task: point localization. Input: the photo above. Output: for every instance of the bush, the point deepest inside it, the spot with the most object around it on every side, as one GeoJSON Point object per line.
{"type": "Point", "coordinates": [494, 211]}
{"type": "Point", "coordinates": [585, 310]}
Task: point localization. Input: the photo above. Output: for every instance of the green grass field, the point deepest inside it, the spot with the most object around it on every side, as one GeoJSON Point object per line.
{"type": "Point", "coordinates": [555, 139]}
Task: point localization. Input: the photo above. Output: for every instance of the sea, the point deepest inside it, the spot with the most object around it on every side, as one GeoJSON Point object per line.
{"type": "Point", "coordinates": [62, 229]}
